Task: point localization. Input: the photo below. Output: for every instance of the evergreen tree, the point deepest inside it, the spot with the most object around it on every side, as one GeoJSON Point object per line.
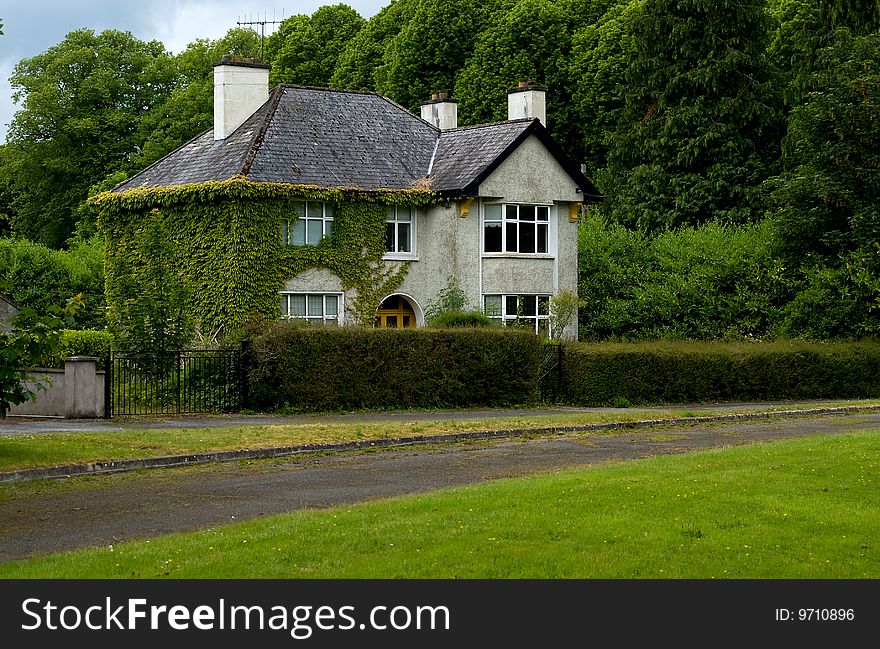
{"type": "Point", "coordinates": [529, 42]}
{"type": "Point", "coordinates": [700, 128]}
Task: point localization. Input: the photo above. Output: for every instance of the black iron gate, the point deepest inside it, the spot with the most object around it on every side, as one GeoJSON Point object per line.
{"type": "Point", "coordinates": [189, 381]}
{"type": "Point", "coordinates": [550, 373]}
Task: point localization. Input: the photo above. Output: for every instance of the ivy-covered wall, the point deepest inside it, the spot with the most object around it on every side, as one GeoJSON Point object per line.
{"type": "Point", "coordinates": [226, 238]}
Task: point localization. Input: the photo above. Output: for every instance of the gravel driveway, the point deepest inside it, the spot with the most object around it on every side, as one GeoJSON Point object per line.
{"type": "Point", "coordinates": [82, 512]}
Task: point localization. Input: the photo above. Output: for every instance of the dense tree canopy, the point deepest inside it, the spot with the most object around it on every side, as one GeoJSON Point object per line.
{"type": "Point", "coordinates": [365, 53]}
{"type": "Point", "coordinates": [600, 54]}
{"type": "Point", "coordinates": [529, 42]}
{"type": "Point", "coordinates": [311, 46]}
{"type": "Point", "coordinates": [188, 109]}
{"type": "Point", "coordinates": [827, 203]}
{"type": "Point", "coordinates": [82, 101]}
{"type": "Point", "coordinates": [699, 131]}
{"type": "Point", "coordinates": [431, 49]}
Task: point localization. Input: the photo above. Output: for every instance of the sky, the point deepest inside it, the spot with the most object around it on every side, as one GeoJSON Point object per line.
{"type": "Point", "coordinates": [33, 26]}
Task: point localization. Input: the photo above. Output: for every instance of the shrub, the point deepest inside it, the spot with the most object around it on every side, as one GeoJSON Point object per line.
{"type": "Point", "coordinates": [457, 319]}
{"type": "Point", "coordinates": [708, 283]}
{"type": "Point", "coordinates": [80, 342]}
{"type": "Point", "coordinates": [668, 372]}
{"type": "Point", "coordinates": [328, 368]}
{"type": "Point", "coordinates": [451, 299]}
{"type": "Point", "coordinates": [43, 279]}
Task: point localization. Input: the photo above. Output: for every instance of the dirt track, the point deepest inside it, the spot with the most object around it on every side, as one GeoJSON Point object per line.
{"type": "Point", "coordinates": [100, 511]}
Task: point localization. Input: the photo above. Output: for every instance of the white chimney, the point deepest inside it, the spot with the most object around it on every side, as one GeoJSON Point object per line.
{"type": "Point", "coordinates": [527, 100]}
{"type": "Point", "coordinates": [241, 86]}
{"type": "Point", "coordinates": [441, 111]}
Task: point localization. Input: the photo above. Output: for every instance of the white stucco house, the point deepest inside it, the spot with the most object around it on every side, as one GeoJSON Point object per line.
{"type": "Point", "coordinates": [504, 223]}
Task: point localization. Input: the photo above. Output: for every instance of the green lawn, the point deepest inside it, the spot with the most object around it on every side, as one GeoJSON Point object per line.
{"type": "Point", "coordinates": [47, 449]}
{"type": "Point", "coordinates": [800, 509]}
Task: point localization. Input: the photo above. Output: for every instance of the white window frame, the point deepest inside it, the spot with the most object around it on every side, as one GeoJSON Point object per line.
{"type": "Point", "coordinates": [309, 219]}
{"type": "Point", "coordinates": [392, 218]}
{"type": "Point", "coordinates": [508, 316]}
{"type": "Point", "coordinates": [325, 317]}
{"type": "Point", "coordinates": [507, 248]}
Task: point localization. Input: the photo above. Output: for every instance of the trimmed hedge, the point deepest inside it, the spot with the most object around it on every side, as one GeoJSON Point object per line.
{"type": "Point", "coordinates": [454, 319]}
{"type": "Point", "coordinates": [327, 368]}
{"type": "Point", "coordinates": [615, 374]}
{"type": "Point", "coordinates": [81, 342]}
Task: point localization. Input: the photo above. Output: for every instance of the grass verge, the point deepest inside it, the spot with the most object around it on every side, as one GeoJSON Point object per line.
{"type": "Point", "coordinates": [797, 509]}
{"type": "Point", "coordinates": [25, 451]}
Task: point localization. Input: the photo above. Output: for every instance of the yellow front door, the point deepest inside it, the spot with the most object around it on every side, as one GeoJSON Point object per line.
{"type": "Point", "coordinates": [395, 313]}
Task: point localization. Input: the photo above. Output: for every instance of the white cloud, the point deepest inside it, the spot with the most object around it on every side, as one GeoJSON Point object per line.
{"type": "Point", "coordinates": [179, 23]}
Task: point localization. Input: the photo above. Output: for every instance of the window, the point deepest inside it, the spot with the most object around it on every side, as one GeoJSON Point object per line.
{"type": "Point", "coordinates": [529, 311]}
{"type": "Point", "coordinates": [313, 222]}
{"type": "Point", "coordinates": [516, 228]}
{"type": "Point", "coordinates": [399, 230]}
{"type": "Point", "coordinates": [317, 308]}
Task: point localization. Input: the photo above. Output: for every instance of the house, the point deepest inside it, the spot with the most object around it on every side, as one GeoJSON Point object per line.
{"type": "Point", "coordinates": [342, 206]}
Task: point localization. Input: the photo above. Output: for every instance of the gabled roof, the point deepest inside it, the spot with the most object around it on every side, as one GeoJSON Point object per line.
{"type": "Point", "coordinates": [347, 139]}
{"type": "Point", "coordinates": [467, 156]}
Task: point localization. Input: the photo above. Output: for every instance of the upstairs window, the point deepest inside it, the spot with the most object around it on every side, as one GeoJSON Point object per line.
{"type": "Point", "coordinates": [399, 230]}
{"type": "Point", "coordinates": [312, 222]}
{"type": "Point", "coordinates": [516, 228]}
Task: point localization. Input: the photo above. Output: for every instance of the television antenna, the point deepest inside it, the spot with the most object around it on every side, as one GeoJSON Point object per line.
{"type": "Point", "coordinates": [262, 23]}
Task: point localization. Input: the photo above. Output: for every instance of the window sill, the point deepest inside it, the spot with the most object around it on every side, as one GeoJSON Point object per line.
{"type": "Point", "coordinates": [397, 256]}
{"type": "Point", "coordinates": [517, 255]}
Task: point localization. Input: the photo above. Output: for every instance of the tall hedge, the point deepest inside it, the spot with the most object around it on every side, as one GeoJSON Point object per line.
{"type": "Point", "coordinates": [324, 368]}
{"type": "Point", "coordinates": [42, 278]}
{"type": "Point", "coordinates": [677, 372]}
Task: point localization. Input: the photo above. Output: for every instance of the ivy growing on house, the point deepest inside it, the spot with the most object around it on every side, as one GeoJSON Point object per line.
{"type": "Point", "coordinates": [227, 238]}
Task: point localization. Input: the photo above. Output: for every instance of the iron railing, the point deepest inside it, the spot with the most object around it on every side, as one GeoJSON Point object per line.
{"type": "Point", "coordinates": [179, 382]}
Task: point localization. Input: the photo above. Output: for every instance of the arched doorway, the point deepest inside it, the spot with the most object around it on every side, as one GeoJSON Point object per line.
{"type": "Point", "coordinates": [396, 312]}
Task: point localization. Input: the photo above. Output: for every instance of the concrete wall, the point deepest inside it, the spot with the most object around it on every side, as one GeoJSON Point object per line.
{"type": "Point", "coordinates": [7, 311]}
{"type": "Point", "coordinates": [77, 391]}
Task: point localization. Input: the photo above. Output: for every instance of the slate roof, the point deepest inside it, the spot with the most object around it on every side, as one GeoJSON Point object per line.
{"type": "Point", "coordinates": [340, 138]}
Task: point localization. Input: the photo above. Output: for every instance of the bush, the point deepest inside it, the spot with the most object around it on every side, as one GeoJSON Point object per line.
{"type": "Point", "coordinates": [43, 279]}
{"type": "Point", "coordinates": [450, 299]}
{"type": "Point", "coordinates": [708, 283]}
{"type": "Point", "coordinates": [667, 372]}
{"type": "Point", "coordinates": [80, 342]}
{"type": "Point", "coordinates": [457, 319]}
{"type": "Point", "coordinates": [328, 368]}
